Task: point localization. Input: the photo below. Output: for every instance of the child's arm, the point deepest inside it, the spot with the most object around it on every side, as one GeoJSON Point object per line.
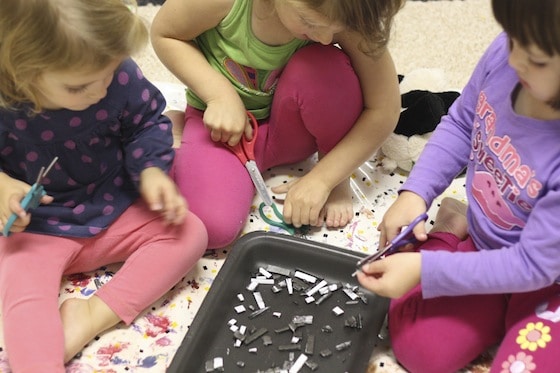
{"type": "Point", "coordinates": [12, 191]}
{"type": "Point", "coordinates": [147, 143]}
{"type": "Point", "coordinates": [381, 96]}
{"type": "Point", "coordinates": [173, 31]}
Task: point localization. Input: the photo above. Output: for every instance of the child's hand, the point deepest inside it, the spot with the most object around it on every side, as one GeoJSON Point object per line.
{"type": "Point", "coordinates": [227, 122]}
{"type": "Point", "coordinates": [304, 201]}
{"type": "Point", "coordinates": [392, 276]}
{"type": "Point", "coordinates": [12, 192]}
{"type": "Point", "coordinates": [401, 213]}
{"type": "Point", "coordinates": [161, 194]}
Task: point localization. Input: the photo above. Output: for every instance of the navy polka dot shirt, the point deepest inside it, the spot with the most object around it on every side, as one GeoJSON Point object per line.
{"type": "Point", "coordinates": [102, 151]}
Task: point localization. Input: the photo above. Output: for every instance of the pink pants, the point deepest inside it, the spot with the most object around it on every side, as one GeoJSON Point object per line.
{"type": "Point", "coordinates": [317, 100]}
{"type": "Point", "coordinates": [155, 258]}
{"type": "Point", "coordinates": [444, 334]}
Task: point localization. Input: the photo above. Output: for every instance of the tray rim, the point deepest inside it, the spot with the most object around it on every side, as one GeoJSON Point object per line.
{"type": "Point", "coordinates": [232, 258]}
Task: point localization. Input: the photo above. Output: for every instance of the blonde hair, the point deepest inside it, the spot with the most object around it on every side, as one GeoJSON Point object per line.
{"type": "Point", "coordinates": [56, 35]}
{"type": "Point", "coordinates": [372, 19]}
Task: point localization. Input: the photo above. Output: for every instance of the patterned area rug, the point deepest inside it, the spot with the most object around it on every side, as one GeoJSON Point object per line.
{"type": "Point", "coordinates": [152, 340]}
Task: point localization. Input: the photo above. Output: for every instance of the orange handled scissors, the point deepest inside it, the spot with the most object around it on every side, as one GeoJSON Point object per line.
{"type": "Point", "coordinates": [245, 151]}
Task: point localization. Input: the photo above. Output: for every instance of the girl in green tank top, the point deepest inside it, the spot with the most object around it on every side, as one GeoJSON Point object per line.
{"type": "Point", "coordinates": [317, 75]}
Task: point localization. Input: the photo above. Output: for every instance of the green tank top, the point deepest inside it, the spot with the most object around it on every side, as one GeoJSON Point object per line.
{"type": "Point", "coordinates": [250, 65]}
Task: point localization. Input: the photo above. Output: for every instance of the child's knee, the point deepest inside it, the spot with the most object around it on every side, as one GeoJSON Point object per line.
{"type": "Point", "coordinates": [197, 234]}
{"type": "Point", "coordinates": [323, 67]}
{"type": "Point", "coordinates": [222, 235]}
{"type": "Point", "coordinates": [222, 230]}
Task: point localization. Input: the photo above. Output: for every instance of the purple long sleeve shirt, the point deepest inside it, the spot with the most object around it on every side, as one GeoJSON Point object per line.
{"type": "Point", "coordinates": [512, 187]}
{"type": "Point", "coordinates": [102, 151]}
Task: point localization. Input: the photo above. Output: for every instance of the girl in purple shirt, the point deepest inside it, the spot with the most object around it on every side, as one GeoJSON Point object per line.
{"type": "Point", "coordinates": [488, 273]}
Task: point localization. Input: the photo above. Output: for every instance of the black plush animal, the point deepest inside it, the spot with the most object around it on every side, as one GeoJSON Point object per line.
{"type": "Point", "coordinates": [422, 110]}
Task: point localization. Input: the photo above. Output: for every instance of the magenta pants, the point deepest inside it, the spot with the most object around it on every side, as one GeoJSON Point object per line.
{"type": "Point", "coordinates": [317, 100]}
{"type": "Point", "coordinates": [445, 334]}
{"type": "Point", "coordinates": [155, 258]}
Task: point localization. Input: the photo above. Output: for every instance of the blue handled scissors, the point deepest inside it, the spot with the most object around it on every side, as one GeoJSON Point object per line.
{"type": "Point", "coordinates": [245, 151]}
{"type": "Point", "coordinates": [403, 238]}
{"type": "Point", "coordinates": [32, 198]}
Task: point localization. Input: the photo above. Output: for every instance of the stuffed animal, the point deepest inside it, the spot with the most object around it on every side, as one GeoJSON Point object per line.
{"type": "Point", "coordinates": [424, 101]}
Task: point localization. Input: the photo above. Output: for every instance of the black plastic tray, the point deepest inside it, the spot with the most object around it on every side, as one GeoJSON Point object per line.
{"type": "Point", "coordinates": [209, 335]}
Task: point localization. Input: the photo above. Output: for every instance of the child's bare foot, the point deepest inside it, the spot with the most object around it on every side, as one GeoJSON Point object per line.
{"type": "Point", "coordinates": [338, 210]}
{"type": "Point", "coordinates": [177, 118]}
{"type": "Point", "coordinates": [452, 218]}
{"type": "Point", "coordinates": [82, 320]}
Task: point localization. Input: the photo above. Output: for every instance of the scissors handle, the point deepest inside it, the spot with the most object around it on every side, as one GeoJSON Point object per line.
{"type": "Point", "coordinates": [30, 201]}
{"type": "Point", "coordinates": [249, 145]}
{"type": "Point", "coordinates": [245, 149]}
{"type": "Point", "coordinates": [404, 237]}
{"type": "Point", "coordinates": [280, 223]}
{"type": "Point", "coordinates": [32, 198]}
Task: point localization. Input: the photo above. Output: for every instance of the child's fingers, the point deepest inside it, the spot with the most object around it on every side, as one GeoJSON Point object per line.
{"type": "Point", "coordinates": [175, 206]}
{"type": "Point", "coordinates": [281, 189]}
{"type": "Point", "coordinates": [248, 133]}
{"type": "Point", "coordinates": [382, 237]}
{"type": "Point", "coordinates": [176, 210]}
{"type": "Point", "coordinates": [19, 224]}
{"type": "Point", "coordinates": [420, 231]}
{"type": "Point", "coordinates": [153, 199]}
{"type": "Point", "coordinates": [370, 281]}
{"type": "Point", "coordinates": [180, 212]}
{"type": "Point", "coordinates": [15, 207]}
{"type": "Point", "coordinates": [374, 268]}
{"type": "Point", "coordinates": [46, 199]}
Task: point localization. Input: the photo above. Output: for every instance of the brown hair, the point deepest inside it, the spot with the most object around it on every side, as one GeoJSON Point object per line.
{"type": "Point", "coordinates": [531, 22]}
{"type": "Point", "coordinates": [372, 19]}
{"type": "Point", "coordinates": [57, 35]}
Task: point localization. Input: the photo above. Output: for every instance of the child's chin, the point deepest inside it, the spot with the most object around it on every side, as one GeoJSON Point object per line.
{"type": "Point", "coordinates": [78, 107]}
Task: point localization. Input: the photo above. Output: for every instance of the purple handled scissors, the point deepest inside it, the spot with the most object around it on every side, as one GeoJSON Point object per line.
{"type": "Point", "coordinates": [405, 237]}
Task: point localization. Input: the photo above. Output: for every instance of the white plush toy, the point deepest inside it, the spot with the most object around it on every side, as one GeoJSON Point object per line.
{"type": "Point", "coordinates": [400, 151]}
{"type": "Point", "coordinates": [425, 98]}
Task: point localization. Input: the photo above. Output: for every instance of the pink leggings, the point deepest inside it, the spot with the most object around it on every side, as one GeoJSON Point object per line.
{"type": "Point", "coordinates": [317, 100]}
{"type": "Point", "coordinates": [155, 258]}
{"type": "Point", "coordinates": [445, 334]}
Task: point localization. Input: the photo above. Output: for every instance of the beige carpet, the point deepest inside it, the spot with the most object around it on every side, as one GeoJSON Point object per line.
{"type": "Point", "coordinates": [447, 36]}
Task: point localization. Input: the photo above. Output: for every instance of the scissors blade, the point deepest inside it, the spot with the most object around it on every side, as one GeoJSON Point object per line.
{"type": "Point", "coordinates": [375, 256]}
{"type": "Point", "coordinates": [43, 172]}
{"type": "Point", "coordinates": [55, 159]}
{"type": "Point", "coordinates": [258, 181]}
